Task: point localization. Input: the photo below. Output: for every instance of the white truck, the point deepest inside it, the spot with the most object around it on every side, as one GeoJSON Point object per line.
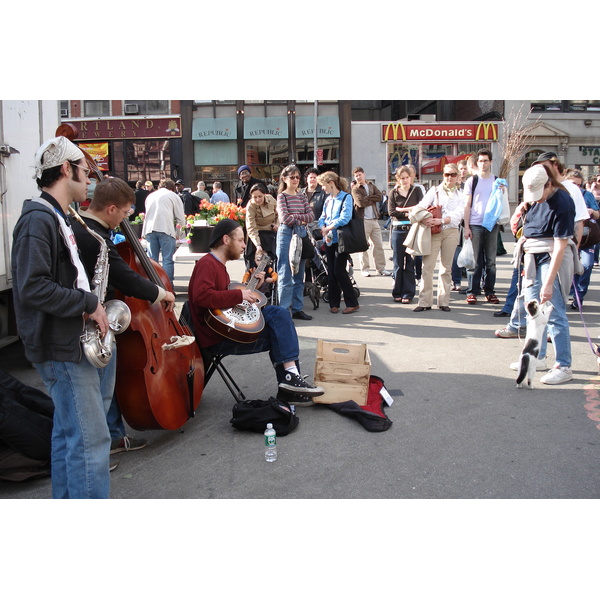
{"type": "Point", "coordinates": [24, 125]}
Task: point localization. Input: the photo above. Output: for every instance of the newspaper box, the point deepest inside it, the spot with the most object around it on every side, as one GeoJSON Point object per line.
{"type": "Point", "coordinates": [344, 371]}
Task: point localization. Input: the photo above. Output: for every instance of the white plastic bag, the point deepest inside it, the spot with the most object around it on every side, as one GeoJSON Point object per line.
{"type": "Point", "coordinates": [466, 258]}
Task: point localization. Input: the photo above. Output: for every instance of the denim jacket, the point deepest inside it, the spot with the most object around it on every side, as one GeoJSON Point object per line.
{"type": "Point", "coordinates": [337, 212]}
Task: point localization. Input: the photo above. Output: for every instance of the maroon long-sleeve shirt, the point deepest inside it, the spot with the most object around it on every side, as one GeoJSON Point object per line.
{"type": "Point", "coordinates": [208, 289]}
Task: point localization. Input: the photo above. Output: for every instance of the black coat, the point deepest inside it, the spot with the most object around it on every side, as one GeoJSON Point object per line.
{"type": "Point", "coordinates": [242, 190]}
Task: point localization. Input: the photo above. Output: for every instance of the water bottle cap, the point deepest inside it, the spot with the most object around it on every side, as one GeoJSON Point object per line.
{"type": "Point", "coordinates": [269, 425]}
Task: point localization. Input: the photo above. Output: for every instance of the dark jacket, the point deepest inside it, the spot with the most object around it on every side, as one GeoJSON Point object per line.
{"type": "Point", "coordinates": [191, 203]}
{"type": "Point", "coordinates": [317, 200]}
{"type": "Point", "coordinates": [49, 309]}
{"type": "Point", "coordinates": [120, 275]}
{"type": "Point", "coordinates": [242, 190]}
{"type": "Point", "coordinates": [140, 202]}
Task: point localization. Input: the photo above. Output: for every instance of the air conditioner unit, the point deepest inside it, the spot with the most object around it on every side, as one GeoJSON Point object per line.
{"type": "Point", "coordinates": [64, 112]}
{"type": "Point", "coordinates": [132, 109]}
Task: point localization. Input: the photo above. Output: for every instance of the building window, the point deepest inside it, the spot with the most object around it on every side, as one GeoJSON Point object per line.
{"type": "Point", "coordinates": [305, 150]}
{"type": "Point", "coordinates": [96, 108]}
{"type": "Point", "coordinates": [147, 107]}
{"type": "Point", "coordinates": [148, 160]}
{"type": "Point", "coordinates": [267, 158]}
{"type": "Point", "coordinates": [565, 105]}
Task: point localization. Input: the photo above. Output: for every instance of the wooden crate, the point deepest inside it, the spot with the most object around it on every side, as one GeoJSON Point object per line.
{"type": "Point", "coordinates": [343, 370]}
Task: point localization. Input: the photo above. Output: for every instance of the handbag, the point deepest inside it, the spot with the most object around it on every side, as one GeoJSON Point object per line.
{"type": "Point", "coordinates": [591, 234]}
{"type": "Point", "coordinates": [436, 213]}
{"type": "Point", "coordinates": [308, 250]}
{"type": "Point", "coordinates": [253, 415]}
{"type": "Point", "coordinates": [352, 237]}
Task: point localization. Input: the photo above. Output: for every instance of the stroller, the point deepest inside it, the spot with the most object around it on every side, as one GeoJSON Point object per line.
{"type": "Point", "coordinates": [315, 282]}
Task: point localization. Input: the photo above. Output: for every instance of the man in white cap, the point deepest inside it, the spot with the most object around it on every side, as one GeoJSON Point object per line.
{"type": "Point", "coordinates": [550, 259]}
{"type": "Point", "coordinates": [52, 303]}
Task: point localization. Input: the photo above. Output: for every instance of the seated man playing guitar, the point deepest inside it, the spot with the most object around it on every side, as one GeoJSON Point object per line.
{"type": "Point", "coordinates": [211, 294]}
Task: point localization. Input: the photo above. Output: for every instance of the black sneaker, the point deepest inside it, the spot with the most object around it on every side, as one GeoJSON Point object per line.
{"type": "Point", "coordinates": [296, 385]}
{"type": "Point", "coordinates": [295, 399]}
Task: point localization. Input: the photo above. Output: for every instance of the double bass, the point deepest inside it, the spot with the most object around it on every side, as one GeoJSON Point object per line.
{"type": "Point", "coordinates": [160, 372]}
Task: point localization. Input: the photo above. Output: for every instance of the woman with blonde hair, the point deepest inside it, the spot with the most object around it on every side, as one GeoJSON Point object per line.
{"type": "Point", "coordinates": [294, 213]}
{"type": "Point", "coordinates": [449, 196]}
{"type": "Point", "coordinates": [337, 212]}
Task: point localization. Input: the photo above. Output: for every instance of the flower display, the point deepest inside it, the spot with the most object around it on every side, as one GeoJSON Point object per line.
{"type": "Point", "coordinates": [139, 219]}
{"type": "Point", "coordinates": [210, 214]}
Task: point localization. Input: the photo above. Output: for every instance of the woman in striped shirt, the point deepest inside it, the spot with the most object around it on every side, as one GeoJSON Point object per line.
{"type": "Point", "coordinates": [294, 213]}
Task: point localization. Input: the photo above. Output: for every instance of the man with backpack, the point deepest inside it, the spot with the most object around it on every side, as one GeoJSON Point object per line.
{"type": "Point", "coordinates": [478, 190]}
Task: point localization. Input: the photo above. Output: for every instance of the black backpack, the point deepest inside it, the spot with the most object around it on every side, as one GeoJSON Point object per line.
{"type": "Point", "coordinates": [253, 415]}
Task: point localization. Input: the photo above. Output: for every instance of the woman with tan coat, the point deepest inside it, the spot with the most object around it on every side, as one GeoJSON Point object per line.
{"type": "Point", "coordinates": [443, 244]}
{"type": "Point", "coordinates": [262, 223]}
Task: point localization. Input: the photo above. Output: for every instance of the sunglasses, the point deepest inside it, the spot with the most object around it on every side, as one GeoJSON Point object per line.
{"type": "Point", "coordinates": [293, 176]}
{"type": "Point", "coordinates": [450, 174]}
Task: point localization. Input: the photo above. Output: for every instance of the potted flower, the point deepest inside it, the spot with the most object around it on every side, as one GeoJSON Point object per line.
{"type": "Point", "coordinates": [199, 226]}
{"type": "Point", "coordinates": [137, 224]}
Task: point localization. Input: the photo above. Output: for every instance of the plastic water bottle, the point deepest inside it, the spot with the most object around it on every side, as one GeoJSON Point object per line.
{"type": "Point", "coordinates": [270, 443]}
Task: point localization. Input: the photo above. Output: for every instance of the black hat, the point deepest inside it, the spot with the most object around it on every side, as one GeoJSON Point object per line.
{"type": "Point", "coordinates": [223, 227]}
{"type": "Point", "coordinates": [179, 182]}
{"type": "Point", "coordinates": [544, 156]}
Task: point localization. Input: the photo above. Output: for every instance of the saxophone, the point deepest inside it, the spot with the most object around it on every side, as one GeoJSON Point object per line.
{"type": "Point", "coordinates": [98, 349]}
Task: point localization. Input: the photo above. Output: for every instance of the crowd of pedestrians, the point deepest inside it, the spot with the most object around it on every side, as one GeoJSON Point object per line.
{"type": "Point", "coordinates": [428, 230]}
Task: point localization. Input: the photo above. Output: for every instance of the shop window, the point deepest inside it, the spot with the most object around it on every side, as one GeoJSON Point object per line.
{"type": "Point", "coordinates": [148, 160]}
{"type": "Point", "coordinates": [215, 152]}
{"type": "Point", "coordinates": [305, 151]}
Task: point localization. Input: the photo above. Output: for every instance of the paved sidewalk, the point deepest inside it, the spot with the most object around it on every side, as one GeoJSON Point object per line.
{"type": "Point", "coordinates": [460, 427]}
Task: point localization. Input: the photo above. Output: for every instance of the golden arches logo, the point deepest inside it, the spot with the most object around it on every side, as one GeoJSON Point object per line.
{"type": "Point", "coordinates": [393, 128]}
{"type": "Point", "coordinates": [489, 130]}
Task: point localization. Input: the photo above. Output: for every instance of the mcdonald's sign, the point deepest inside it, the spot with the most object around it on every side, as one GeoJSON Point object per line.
{"type": "Point", "coordinates": [487, 131]}
{"type": "Point", "coordinates": [436, 132]}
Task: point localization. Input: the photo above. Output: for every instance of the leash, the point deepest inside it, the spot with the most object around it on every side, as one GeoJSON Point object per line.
{"type": "Point", "coordinates": [595, 348]}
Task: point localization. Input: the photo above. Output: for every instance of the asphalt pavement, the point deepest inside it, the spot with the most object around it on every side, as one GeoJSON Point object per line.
{"type": "Point", "coordinates": [461, 429]}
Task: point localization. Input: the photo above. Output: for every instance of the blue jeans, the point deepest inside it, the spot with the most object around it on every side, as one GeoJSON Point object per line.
{"type": "Point", "coordinates": [513, 290]}
{"type": "Point", "coordinates": [114, 418]}
{"type": "Point", "coordinates": [163, 243]}
{"type": "Point", "coordinates": [290, 287]}
{"type": "Point", "coordinates": [558, 324]}
{"type": "Point", "coordinates": [81, 395]}
{"type": "Point", "coordinates": [404, 266]}
{"type": "Point", "coordinates": [488, 241]}
{"type": "Point", "coordinates": [279, 338]}
{"type": "Point", "coordinates": [582, 282]}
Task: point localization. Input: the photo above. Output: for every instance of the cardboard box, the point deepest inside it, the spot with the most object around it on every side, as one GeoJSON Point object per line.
{"type": "Point", "coordinates": [344, 371]}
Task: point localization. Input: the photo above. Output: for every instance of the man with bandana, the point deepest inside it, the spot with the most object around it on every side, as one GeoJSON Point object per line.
{"type": "Point", "coordinates": [52, 303]}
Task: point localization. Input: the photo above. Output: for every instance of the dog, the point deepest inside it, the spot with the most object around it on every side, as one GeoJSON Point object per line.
{"type": "Point", "coordinates": [312, 291]}
{"type": "Point", "coordinates": [537, 319]}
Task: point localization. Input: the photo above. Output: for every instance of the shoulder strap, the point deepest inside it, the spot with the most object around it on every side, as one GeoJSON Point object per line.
{"type": "Point", "coordinates": [474, 185]}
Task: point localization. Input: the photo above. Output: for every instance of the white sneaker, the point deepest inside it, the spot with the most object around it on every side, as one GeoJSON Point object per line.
{"type": "Point", "coordinates": [557, 375]}
{"type": "Point", "coordinates": [540, 366]}
{"type": "Point", "coordinates": [365, 273]}
{"type": "Point", "coordinates": [385, 273]}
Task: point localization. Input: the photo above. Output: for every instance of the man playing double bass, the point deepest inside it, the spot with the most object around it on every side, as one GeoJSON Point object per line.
{"type": "Point", "coordinates": [110, 205]}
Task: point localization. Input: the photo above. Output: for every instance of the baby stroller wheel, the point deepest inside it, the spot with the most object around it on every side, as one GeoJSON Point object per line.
{"type": "Point", "coordinates": [357, 291]}
{"type": "Point", "coordinates": [325, 296]}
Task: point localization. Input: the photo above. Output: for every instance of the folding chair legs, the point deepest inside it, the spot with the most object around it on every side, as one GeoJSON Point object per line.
{"type": "Point", "coordinates": [212, 363]}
